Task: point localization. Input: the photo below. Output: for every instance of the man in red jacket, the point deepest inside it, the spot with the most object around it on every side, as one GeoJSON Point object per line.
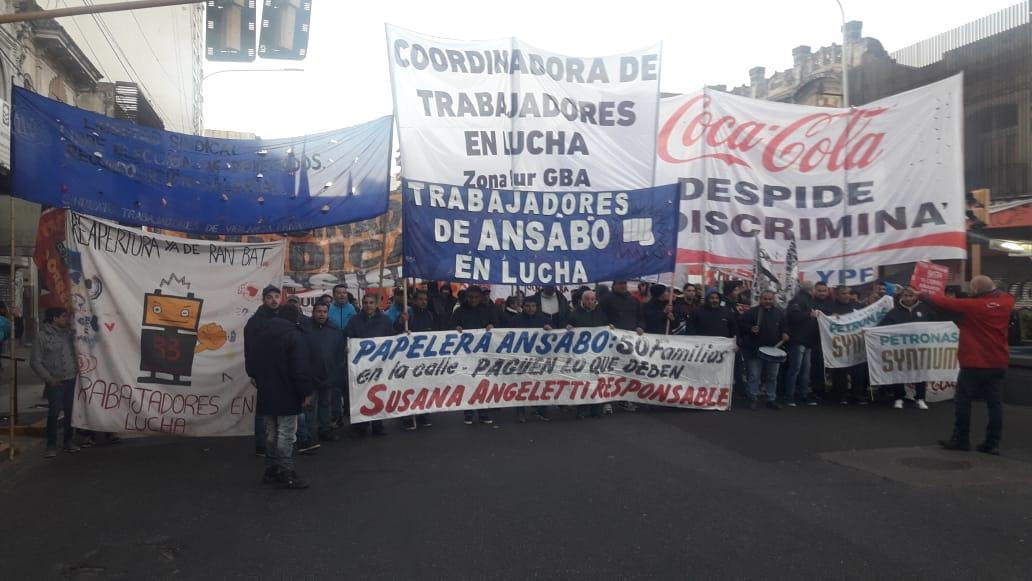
{"type": "Point", "coordinates": [983, 357]}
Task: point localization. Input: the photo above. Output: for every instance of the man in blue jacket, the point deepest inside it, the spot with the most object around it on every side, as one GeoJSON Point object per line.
{"type": "Point", "coordinates": [281, 373]}
{"type": "Point", "coordinates": [341, 310]}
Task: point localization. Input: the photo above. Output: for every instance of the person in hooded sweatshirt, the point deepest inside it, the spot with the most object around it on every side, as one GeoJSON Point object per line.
{"type": "Point", "coordinates": [473, 314]}
{"type": "Point", "coordinates": [531, 318]}
{"type": "Point", "coordinates": [281, 371]}
{"type": "Point", "coordinates": [53, 360]}
{"type": "Point", "coordinates": [442, 302]}
{"type": "Point", "coordinates": [270, 306]}
{"type": "Point", "coordinates": [909, 309]}
{"type": "Point", "coordinates": [804, 336]}
{"type": "Point", "coordinates": [713, 318]}
{"type": "Point", "coordinates": [369, 323]}
{"type": "Point", "coordinates": [419, 318]}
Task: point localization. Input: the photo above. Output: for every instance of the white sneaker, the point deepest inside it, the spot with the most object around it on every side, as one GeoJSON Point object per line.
{"type": "Point", "coordinates": [898, 405]}
{"type": "Point", "coordinates": [921, 405]}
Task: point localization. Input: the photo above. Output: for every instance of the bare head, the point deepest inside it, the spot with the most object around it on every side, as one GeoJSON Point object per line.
{"type": "Point", "coordinates": [982, 284]}
{"type": "Point", "coordinates": [588, 300]}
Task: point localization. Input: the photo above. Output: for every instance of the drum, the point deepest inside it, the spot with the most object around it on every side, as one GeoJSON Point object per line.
{"type": "Point", "coordinates": [773, 354]}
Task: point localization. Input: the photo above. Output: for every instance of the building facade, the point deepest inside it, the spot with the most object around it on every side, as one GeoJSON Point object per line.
{"type": "Point", "coordinates": [143, 66]}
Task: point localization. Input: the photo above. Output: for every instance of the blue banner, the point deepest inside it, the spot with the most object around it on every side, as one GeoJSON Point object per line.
{"type": "Point", "coordinates": [537, 238]}
{"type": "Point", "coordinates": [68, 157]}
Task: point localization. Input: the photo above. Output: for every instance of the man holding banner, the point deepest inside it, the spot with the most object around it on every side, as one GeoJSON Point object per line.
{"type": "Point", "coordinates": [984, 358]}
{"type": "Point", "coordinates": [909, 310]}
{"type": "Point", "coordinates": [847, 382]}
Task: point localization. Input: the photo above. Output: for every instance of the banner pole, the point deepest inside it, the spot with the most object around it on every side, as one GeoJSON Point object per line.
{"type": "Point", "coordinates": [670, 301]}
{"type": "Point", "coordinates": [404, 301]}
{"type": "Point", "coordinates": [14, 363]}
{"type": "Point", "coordinates": [383, 247]}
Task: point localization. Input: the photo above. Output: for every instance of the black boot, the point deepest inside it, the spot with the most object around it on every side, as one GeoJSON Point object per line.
{"type": "Point", "coordinates": [291, 480]}
{"type": "Point", "coordinates": [956, 442]}
{"type": "Point", "coordinates": [988, 447]}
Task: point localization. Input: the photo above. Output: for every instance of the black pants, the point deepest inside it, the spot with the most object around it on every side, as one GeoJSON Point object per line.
{"type": "Point", "coordinates": [976, 383]}
{"type": "Point", "coordinates": [858, 374]}
{"type": "Point", "coordinates": [899, 390]}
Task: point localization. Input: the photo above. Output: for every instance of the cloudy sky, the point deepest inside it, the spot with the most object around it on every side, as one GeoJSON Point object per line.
{"type": "Point", "coordinates": [346, 79]}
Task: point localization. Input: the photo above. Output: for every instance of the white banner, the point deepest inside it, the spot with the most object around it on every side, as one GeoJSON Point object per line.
{"type": "Point", "coordinates": [877, 184]}
{"type": "Point", "coordinates": [842, 336]}
{"type": "Point", "coordinates": [159, 325]}
{"type": "Point", "coordinates": [912, 352]}
{"type": "Point", "coordinates": [448, 371]}
{"type": "Point", "coordinates": [503, 114]}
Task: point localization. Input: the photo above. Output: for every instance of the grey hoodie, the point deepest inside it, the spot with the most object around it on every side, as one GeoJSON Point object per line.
{"type": "Point", "coordinates": [53, 354]}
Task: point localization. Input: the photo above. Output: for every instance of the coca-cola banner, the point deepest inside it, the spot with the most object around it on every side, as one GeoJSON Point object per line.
{"type": "Point", "coordinates": [877, 184]}
{"type": "Point", "coordinates": [503, 114]}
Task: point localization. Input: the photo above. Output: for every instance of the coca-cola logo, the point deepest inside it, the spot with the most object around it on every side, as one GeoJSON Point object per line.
{"type": "Point", "coordinates": [815, 141]}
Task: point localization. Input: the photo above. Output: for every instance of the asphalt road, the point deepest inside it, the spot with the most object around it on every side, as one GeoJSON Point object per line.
{"type": "Point", "coordinates": [647, 495]}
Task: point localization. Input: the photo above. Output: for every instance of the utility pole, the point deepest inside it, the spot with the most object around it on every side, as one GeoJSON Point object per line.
{"type": "Point", "coordinates": [845, 60]}
{"type": "Point", "coordinates": [94, 9]}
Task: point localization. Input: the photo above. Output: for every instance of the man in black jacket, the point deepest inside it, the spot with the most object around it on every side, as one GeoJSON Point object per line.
{"type": "Point", "coordinates": [531, 318]}
{"type": "Point", "coordinates": [328, 370]}
{"type": "Point", "coordinates": [270, 305]}
{"type": "Point", "coordinates": [848, 382]}
{"type": "Point", "coordinates": [622, 309]}
{"type": "Point", "coordinates": [281, 374]}
{"type": "Point", "coordinates": [658, 313]}
{"type": "Point", "coordinates": [589, 315]}
{"type": "Point", "coordinates": [552, 304]}
{"type": "Point", "coordinates": [419, 318]}
{"type": "Point", "coordinates": [804, 335]}
{"type": "Point", "coordinates": [762, 326]}
{"type": "Point", "coordinates": [685, 304]}
{"type": "Point", "coordinates": [909, 309]}
{"type": "Point", "coordinates": [442, 302]}
{"type": "Point", "coordinates": [712, 319]}
{"type": "Point", "coordinates": [369, 323]}
{"type": "Point", "coordinates": [624, 312]}
{"type": "Point", "coordinates": [473, 314]}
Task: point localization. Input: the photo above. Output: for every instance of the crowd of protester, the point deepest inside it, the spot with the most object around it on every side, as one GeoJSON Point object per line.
{"type": "Point", "coordinates": [298, 362]}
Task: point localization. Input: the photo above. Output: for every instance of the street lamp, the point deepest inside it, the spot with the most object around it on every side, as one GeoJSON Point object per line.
{"type": "Point", "coordinates": [845, 62]}
{"type": "Point", "coordinates": [284, 70]}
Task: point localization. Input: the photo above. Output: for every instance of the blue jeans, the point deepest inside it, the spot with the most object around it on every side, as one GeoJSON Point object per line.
{"type": "Point", "coordinates": [60, 398]}
{"type": "Point", "coordinates": [797, 380]}
{"type": "Point", "coordinates": [279, 443]}
{"type": "Point", "coordinates": [766, 371]}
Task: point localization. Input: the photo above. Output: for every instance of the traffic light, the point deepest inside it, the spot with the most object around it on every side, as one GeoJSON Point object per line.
{"type": "Point", "coordinates": [230, 27]}
{"type": "Point", "coordinates": [285, 26]}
